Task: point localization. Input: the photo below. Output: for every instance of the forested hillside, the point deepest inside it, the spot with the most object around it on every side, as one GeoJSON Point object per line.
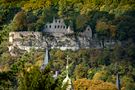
{"type": "Point", "coordinates": [110, 19]}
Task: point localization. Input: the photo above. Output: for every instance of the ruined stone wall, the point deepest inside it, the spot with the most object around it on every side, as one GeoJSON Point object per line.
{"type": "Point", "coordinates": [38, 40]}
{"type": "Point", "coordinates": [57, 26]}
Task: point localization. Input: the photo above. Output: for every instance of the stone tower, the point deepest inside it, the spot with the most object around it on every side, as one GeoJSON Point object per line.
{"type": "Point", "coordinates": [46, 60]}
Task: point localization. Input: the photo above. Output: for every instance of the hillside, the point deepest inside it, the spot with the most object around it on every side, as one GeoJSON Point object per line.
{"type": "Point", "coordinates": [112, 20]}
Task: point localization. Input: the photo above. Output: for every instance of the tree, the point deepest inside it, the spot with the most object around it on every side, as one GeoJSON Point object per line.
{"type": "Point", "coordinates": [36, 5]}
{"type": "Point", "coordinates": [19, 21]}
{"type": "Point", "coordinates": [81, 22]}
{"type": "Point", "coordinates": [7, 80]}
{"type": "Point", "coordinates": [104, 58]}
{"type": "Point", "coordinates": [102, 30]}
{"type": "Point", "coordinates": [125, 25]}
{"type": "Point", "coordinates": [36, 80]}
{"type": "Point", "coordinates": [84, 84]}
{"type": "Point", "coordinates": [80, 71]}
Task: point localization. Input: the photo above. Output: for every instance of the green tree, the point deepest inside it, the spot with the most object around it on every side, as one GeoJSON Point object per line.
{"type": "Point", "coordinates": [125, 25]}
{"type": "Point", "coordinates": [36, 80]}
{"type": "Point", "coordinates": [19, 21]}
{"type": "Point", "coordinates": [80, 71]}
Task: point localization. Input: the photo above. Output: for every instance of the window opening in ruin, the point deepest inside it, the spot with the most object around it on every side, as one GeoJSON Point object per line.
{"type": "Point", "coordinates": [50, 26]}
{"type": "Point", "coordinates": [55, 26]}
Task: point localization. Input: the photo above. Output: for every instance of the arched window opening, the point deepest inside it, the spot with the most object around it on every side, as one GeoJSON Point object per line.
{"type": "Point", "coordinates": [64, 27]}
{"type": "Point", "coordinates": [55, 21]}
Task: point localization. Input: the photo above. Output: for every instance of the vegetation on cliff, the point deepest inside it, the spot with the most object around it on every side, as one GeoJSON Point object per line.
{"type": "Point", "coordinates": [110, 19]}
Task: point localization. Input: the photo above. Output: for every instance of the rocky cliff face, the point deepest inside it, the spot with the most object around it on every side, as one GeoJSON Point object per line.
{"type": "Point", "coordinates": [38, 40]}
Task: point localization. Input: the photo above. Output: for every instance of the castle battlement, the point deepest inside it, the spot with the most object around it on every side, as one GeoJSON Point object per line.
{"type": "Point", "coordinates": [57, 26]}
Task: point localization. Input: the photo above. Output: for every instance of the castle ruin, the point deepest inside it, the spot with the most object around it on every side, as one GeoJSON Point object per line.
{"type": "Point", "coordinates": [56, 35]}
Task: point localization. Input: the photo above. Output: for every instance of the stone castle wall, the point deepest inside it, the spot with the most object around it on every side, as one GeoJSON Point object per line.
{"type": "Point", "coordinates": [60, 37]}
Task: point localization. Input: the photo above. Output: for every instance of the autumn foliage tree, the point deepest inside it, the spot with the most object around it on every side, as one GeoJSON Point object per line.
{"type": "Point", "coordinates": [85, 84]}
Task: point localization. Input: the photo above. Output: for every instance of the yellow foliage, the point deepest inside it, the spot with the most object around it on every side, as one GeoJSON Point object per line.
{"type": "Point", "coordinates": [112, 29]}
{"type": "Point", "coordinates": [98, 75]}
{"type": "Point", "coordinates": [104, 26]}
{"type": "Point", "coordinates": [38, 4]}
{"type": "Point", "coordinates": [59, 54]}
{"type": "Point", "coordinates": [28, 69]}
{"type": "Point", "coordinates": [39, 59]}
{"type": "Point", "coordinates": [101, 26]}
{"type": "Point", "coordinates": [124, 82]}
{"type": "Point", "coordinates": [89, 5]}
{"type": "Point", "coordinates": [85, 84]}
{"type": "Point", "coordinates": [4, 68]}
{"type": "Point", "coordinates": [123, 88]}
